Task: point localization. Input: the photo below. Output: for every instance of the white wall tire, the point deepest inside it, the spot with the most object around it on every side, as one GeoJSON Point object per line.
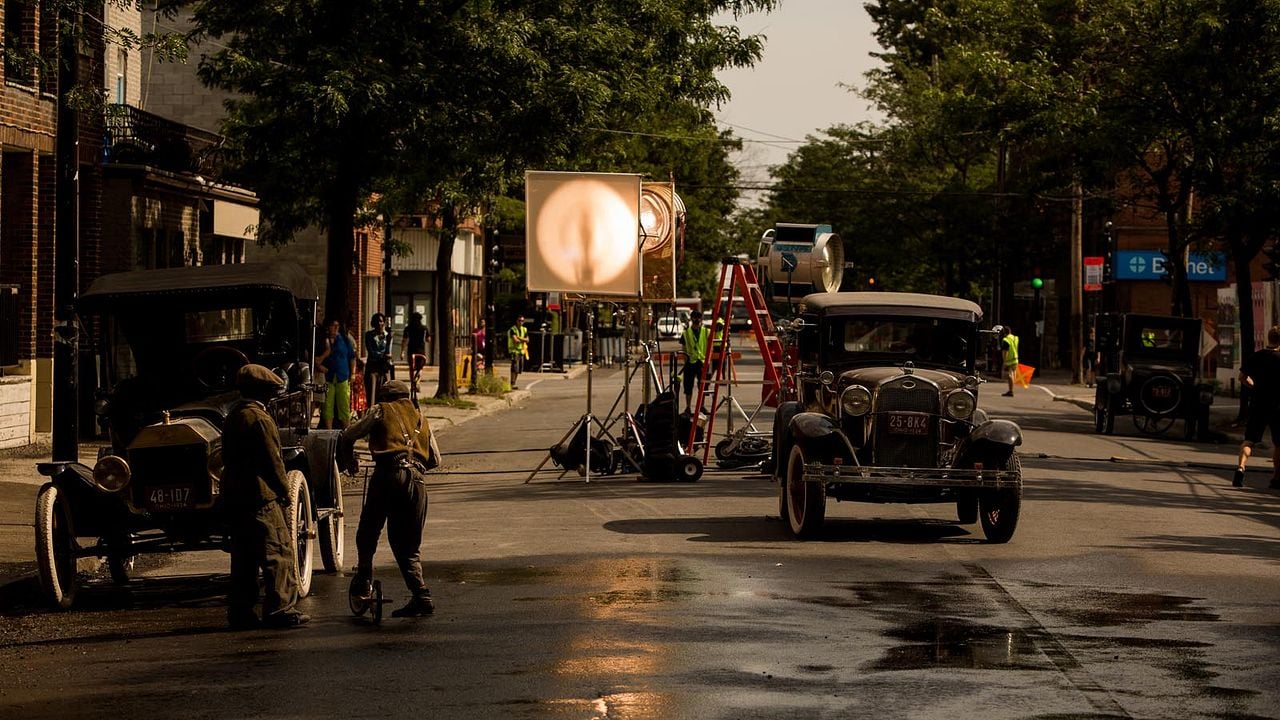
{"type": "Point", "coordinates": [301, 523]}
{"type": "Point", "coordinates": [56, 548]}
{"type": "Point", "coordinates": [806, 501]}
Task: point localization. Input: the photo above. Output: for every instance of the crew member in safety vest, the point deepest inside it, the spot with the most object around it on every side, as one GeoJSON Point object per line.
{"type": "Point", "coordinates": [694, 342]}
{"type": "Point", "coordinates": [403, 450]}
{"type": "Point", "coordinates": [1009, 351]}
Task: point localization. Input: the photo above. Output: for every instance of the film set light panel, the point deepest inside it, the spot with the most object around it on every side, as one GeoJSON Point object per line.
{"type": "Point", "coordinates": [583, 233]}
{"type": "Point", "coordinates": [796, 260]}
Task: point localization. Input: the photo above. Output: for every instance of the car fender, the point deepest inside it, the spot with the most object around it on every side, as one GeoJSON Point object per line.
{"type": "Point", "coordinates": [820, 438]}
{"type": "Point", "coordinates": [781, 436]}
{"type": "Point", "coordinates": [990, 443]}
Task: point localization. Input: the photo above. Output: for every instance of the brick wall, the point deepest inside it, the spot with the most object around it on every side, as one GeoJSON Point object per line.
{"type": "Point", "coordinates": [18, 193]}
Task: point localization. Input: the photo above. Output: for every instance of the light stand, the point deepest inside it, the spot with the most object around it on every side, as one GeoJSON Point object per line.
{"type": "Point", "coordinates": [587, 418]}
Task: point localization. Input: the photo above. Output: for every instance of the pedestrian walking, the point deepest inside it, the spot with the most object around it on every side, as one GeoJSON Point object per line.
{"type": "Point", "coordinates": [403, 450]}
{"type": "Point", "coordinates": [518, 348]}
{"type": "Point", "coordinates": [255, 493]}
{"type": "Point", "coordinates": [1009, 356]}
{"type": "Point", "coordinates": [414, 342]}
{"type": "Point", "coordinates": [1090, 359]}
{"type": "Point", "coordinates": [693, 341]}
{"type": "Point", "coordinates": [339, 362]}
{"type": "Point", "coordinates": [1260, 372]}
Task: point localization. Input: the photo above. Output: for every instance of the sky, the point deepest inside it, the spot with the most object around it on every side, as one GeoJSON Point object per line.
{"type": "Point", "coordinates": [812, 47]}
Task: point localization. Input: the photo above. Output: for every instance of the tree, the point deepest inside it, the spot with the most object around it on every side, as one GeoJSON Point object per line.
{"type": "Point", "coordinates": [340, 101]}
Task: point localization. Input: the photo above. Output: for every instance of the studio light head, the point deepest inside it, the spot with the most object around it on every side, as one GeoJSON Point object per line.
{"type": "Point", "coordinates": [797, 260]}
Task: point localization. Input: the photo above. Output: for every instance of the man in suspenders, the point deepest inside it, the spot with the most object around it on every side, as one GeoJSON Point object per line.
{"type": "Point", "coordinates": [403, 451]}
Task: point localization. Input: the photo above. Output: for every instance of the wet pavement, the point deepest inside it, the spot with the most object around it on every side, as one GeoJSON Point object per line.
{"type": "Point", "coordinates": [1139, 585]}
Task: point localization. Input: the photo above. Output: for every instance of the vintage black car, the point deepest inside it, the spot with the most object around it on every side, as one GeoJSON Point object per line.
{"type": "Point", "coordinates": [171, 342]}
{"type": "Point", "coordinates": [886, 412]}
{"type": "Point", "coordinates": [1149, 367]}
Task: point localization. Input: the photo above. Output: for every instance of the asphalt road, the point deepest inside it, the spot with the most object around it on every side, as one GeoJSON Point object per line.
{"type": "Point", "coordinates": [1139, 584]}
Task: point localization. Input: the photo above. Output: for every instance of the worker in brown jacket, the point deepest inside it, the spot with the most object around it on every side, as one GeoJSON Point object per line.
{"type": "Point", "coordinates": [403, 450]}
{"type": "Point", "coordinates": [255, 493]}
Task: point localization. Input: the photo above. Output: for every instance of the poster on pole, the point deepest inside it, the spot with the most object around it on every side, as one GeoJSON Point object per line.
{"type": "Point", "coordinates": [1093, 273]}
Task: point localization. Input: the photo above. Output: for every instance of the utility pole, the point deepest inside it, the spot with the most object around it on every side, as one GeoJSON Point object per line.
{"type": "Point", "coordinates": [66, 262]}
{"type": "Point", "coordinates": [1077, 281]}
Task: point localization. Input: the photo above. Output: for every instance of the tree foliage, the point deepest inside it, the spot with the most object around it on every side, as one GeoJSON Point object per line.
{"type": "Point", "coordinates": [1166, 107]}
{"type": "Point", "coordinates": [443, 102]}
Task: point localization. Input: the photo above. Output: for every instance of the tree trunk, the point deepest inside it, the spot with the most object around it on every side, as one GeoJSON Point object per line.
{"type": "Point", "coordinates": [341, 257]}
{"type": "Point", "coordinates": [447, 387]}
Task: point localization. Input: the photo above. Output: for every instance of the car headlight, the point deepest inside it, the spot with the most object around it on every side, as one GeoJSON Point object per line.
{"type": "Point", "coordinates": [111, 473]}
{"type": "Point", "coordinates": [855, 401]}
{"type": "Point", "coordinates": [961, 404]}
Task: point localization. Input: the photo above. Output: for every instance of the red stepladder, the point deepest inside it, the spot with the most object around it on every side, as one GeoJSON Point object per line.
{"type": "Point", "coordinates": [738, 280]}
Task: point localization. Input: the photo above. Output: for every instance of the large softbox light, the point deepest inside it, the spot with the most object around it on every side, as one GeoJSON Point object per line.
{"type": "Point", "coordinates": [582, 233]}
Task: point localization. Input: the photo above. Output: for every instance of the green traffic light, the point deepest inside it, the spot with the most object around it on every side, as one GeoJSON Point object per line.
{"type": "Point", "coordinates": [1037, 283]}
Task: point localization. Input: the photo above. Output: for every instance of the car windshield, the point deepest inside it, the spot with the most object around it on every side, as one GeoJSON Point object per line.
{"type": "Point", "coordinates": [159, 342]}
{"type": "Point", "coordinates": [897, 339]}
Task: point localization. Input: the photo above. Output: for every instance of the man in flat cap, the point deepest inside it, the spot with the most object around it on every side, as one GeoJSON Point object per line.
{"type": "Point", "coordinates": [403, 451]}
{"type": "Point", "coordinates": [255, 492]}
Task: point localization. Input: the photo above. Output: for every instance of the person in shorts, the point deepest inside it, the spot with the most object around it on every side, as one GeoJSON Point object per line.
{"type": "Point", "coordinates": [1261, 373]}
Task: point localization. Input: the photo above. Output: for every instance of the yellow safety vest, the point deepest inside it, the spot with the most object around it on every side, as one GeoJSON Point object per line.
{"type": "Point", "coordinates": [1010, 350]}
{"type": "Point", "coordinates": [695, 348]}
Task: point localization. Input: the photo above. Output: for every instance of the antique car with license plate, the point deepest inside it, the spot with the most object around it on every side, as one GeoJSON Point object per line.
{"type": "Point", "coordinates": [885, 411]}
{"type": "Point", "coordinates": [170, 343]}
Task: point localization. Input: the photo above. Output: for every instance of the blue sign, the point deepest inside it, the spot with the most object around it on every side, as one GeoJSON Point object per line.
{"type": "Point", "coordinates": [1149, 265]}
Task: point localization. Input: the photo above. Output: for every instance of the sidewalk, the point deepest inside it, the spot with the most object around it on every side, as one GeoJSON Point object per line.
{"type": "Point", "coordinates": [19, 480]}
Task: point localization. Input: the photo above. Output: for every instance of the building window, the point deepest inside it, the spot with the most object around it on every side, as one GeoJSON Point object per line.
{"type": "Point", "coordinates": [20, 60]}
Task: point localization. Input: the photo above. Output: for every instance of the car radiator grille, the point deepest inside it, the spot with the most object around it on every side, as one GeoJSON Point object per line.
{"type": "Point", "coordinates": [169, 465]}
{"type": "Point", "coordinates": [893, 450]}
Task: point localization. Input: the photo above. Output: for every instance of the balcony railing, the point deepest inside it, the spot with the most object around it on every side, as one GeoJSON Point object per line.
{"type": "Point", "coordinates": [137, 137]}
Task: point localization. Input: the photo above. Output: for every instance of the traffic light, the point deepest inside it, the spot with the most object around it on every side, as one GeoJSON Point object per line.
{"type": "Point", "coordinates": [1037, 283]}
{"type": "Point", "coordinates": [1271, 268]}
{"type": "Point", "coordinates": [1108, 252]}
{"type": "Point", "coordinates": [871, 283]}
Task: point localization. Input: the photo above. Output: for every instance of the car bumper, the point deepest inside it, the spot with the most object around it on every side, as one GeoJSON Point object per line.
{"type": "Point", "coordinates": [960, 478]}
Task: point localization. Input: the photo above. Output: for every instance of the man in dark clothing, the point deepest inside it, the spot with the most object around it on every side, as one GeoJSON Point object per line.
{"type": "Point", "coordinates": [1261, 373]}
{"type": "Point", "coordinates": [255, 493]}
{"type": "Point", "coordinates": [403, 450]}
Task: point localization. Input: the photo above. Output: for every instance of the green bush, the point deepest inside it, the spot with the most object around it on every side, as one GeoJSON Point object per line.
{"type": "Point", "coordinates": [494, 385]}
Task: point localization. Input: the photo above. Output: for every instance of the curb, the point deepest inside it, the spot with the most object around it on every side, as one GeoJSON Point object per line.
{"type": "Point", "coordinates": [1228, 434]}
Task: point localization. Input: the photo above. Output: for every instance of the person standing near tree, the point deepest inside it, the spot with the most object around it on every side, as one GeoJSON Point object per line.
{"type": "Point", "coordinates": [339, 362]}
{"type": "Point", "coordinates": [1260, 372]}
{"type": "Point", "coordinates": [518, 348]}
{"type": "Point", "coordinates": [378, 367]}
{"type": "Point", "coordinates": [1009, 356]}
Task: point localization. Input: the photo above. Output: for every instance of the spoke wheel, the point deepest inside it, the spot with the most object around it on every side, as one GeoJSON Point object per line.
{"type": "Point", "coordinates": [806, 501]}
{"type": "Point", "coordinates": [331, 531]}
